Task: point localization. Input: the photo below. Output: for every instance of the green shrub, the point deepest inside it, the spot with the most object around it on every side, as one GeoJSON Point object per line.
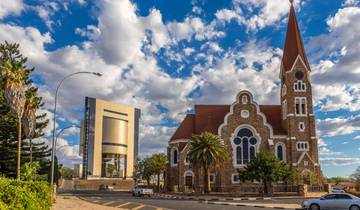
{"type": "Point", "coordinates": [24, 195]}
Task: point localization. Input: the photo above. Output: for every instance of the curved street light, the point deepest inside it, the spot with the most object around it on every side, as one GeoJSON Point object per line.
{"type": "Point", "coordinates": [54, 118]}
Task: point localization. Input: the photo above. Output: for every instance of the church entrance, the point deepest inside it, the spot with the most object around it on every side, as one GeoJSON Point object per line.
{"type": "Point", "coordinates": [189, 179]}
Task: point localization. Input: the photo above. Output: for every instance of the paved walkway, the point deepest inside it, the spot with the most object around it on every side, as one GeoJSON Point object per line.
{"type": "Point", "coordinates": [72, 202]}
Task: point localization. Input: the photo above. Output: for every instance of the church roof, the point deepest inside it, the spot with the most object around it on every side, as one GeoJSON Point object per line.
{"type": "Point", "coordinates": [293, 43]}
{"type": "Point", "coordinates": [210, 117]}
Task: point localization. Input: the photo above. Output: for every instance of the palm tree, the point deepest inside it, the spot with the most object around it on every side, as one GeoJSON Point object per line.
{"type": "Point", "coordinates": [29, 118]}
{"type": "Point", "coordinates": [159, 167]}
{"type": "Point", "coordinates": [13, 76]}
{"type": "Point", "coordinates": [207, 150]}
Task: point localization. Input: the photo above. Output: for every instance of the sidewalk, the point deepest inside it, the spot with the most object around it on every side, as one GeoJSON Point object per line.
{"type": "Point", "coordinates": [73, 202]}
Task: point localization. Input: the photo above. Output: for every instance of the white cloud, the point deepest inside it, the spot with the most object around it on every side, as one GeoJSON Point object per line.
{"type": "Point", "coordinates": [259, 13]}
{"type": "Point", "coordinates": [339, 161]}
{"type": "Point", "coordinates": [321, 143]}
{"type": "Point", "coordinates": [193, 27]}
{"type": "Point", "coordinates": [12, 7]}
{"type": "Point", "coordinates": [223, 78]}
{"type": "Point", "coordinates": [338, 60]}
{"type": "Point", "coordinates": [91, 31]}
{"type": "Point", "coordinates": [357, 137]}
{"type": "Point", "coordinates": [338, 126]}
{"type": "Point", "coordinates": [326, 151]}
{"type": "Point", "coordinates": [351, 2]}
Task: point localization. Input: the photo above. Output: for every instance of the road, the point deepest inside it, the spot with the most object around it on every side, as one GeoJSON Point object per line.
{"type": "Point", "coordinates": [126, 201]}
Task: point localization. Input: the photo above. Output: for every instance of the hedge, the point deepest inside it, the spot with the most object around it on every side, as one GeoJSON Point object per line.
{"type": "Point", "coordinates": [24, 195]}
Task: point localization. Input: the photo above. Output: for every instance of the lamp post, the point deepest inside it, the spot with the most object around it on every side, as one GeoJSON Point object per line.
{"type": "Point", "coordinates": [54, 119]}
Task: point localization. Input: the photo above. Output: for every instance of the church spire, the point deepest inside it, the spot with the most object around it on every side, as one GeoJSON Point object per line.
{"type": "Point", "coordinates": [293, 43]}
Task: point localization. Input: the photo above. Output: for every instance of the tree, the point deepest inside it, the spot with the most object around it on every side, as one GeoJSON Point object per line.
{"type": "Point", "coordinates": [148, 169]}
{"type": "Point", "coordinates": [66, 173]}
{"type": "Point", "coordinates": [338, 179]}
{"type": "Point", "coordinates": [110, 169]}
{"type": "Point", "coordinates": [159, 166]}
{"type": "Point", "coordinates": [356, 177]}
{"type": "Point", "coordinates": [13, 75]}
{"type": "Point", "coordinates": [29, 120]}
{"type": "Point", "coordinates": [207, 150]}
{"type": "Point", "coordinates": [9, 121]}
{"type": "Point", "coordinates": [29, 172]}
{"type": "Point", "coordinates": [138, 170]}
{"type": "Point", "coordinates": [266, 168]}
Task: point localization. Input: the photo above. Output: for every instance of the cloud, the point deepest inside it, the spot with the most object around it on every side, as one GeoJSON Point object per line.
{"type": "Point", "coordinates": [326, 151]}
{"type": "Point", "coordinates": [255, 68]}
{"type": "Point", "coordinates": [338, 60]}
{"type": "Point", "coordinates": [321, 143]}
{"type": "Point", "coordinates": [351, 3]}
{"type": "Point", "coordinates": [259, 13]}
{"type": "Point", "coordinates": [13, 7]}
{"type": "Point", "coordinates": [340, 161]}
{"type": "Point", "coordinates": [91, 32]}
{"type": "Point", "coordinates": [338, 126]}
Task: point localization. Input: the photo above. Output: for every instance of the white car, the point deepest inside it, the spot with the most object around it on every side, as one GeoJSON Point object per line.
{"type": "Point", "coordinates": [142, 190]}
{"type": "Point", "coordinates": [333, 201]}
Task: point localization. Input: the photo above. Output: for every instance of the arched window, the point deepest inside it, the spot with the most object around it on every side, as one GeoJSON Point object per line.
{"type": "Point", "coordinates": [280, 151]}
{"type": "Point", "coordinates": [245, 146]}
{"type": "Point", "coordinates": [174, 156]}
{"type": "Point", "coordinates": [299, 86]}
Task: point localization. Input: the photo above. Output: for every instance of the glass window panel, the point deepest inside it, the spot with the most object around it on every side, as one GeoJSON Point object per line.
{"type": "Point", "coordinates": [245, 132]}
{"type": "Point", "coordinates": [303, 108]}
{"type": "Point", "coordinates": [253, 141]}
{"type": "Point", "coordinates": [175, 157]}
{"type": "Point", "coordinates": [297, 107]}
{"type": "Point", "coordinates": [252, 153]}
{"type": "Point", "coordinates": [245, 151]}
{"type": "Point", "coordinates": [280, 152]}
{"type": "Point", "coordinates": [237, 140]}
{"type": "Point", "coordinates": [238, 155]}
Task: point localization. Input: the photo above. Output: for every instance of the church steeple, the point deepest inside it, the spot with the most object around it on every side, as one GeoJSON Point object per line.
{"type": "Point", "coordinates": [293, 43]}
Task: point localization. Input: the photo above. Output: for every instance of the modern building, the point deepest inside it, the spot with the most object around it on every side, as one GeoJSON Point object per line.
{"type": "Point", "coordinates": [288, 130]}
{"type": "Point", "coordinates": [109, 139]}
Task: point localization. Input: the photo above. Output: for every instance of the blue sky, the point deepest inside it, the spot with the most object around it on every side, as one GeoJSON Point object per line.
{"type": "Point", "coordinates": [164, 56]}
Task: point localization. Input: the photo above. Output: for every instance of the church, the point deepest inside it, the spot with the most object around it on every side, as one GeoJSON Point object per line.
{"type": "Point", "coordinates": [288, 130]}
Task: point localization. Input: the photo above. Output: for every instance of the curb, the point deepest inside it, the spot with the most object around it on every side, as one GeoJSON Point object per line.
{"type": "Point", "coordinates": [239, 204]}
{"type": "Point", "coordinates": [211, 199]}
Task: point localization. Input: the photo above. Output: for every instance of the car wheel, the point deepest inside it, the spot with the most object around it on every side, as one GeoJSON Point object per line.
{"type": "Point", "coordinates": [314, 207]}
{"type": "Point", "coordinates": [354, 207]}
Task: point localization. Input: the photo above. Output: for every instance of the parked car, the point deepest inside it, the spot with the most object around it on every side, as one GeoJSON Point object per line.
{"type": "Point", "coordinates": [337, 190]}
{"type": "Point", "coordinates": [142, 190]}
{"type": "Point", "coordinates": [333, 201]}
{"type": "Point", "coordinates": [106, 187]}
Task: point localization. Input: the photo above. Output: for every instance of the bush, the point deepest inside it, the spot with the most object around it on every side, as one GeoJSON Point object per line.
{"type": "Point", "coordinates": [21, 195]}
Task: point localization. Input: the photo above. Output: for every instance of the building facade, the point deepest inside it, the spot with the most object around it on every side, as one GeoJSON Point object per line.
{"type": "Point", "coordinates": [288, 130]}
{"type": "Point", "coordinates": [109, 139]}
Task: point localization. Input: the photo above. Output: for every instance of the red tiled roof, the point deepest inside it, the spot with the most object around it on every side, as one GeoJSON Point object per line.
{"type": "Point", "coordinates": [293, 43]}
{"type": "Point", "coordinates": [210, 117]}
{"type": "Point", "coordinates": [186, 128]}
{"type": "Point", "coordinates": [273, 117]}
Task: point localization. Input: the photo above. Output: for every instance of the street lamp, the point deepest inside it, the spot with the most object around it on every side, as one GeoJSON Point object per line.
{"type": "Point", "coordinates": [54, 118]}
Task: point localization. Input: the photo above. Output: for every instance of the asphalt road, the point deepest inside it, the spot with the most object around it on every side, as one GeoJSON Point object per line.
{"type": "Point", "coordinates": [126, 201]}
